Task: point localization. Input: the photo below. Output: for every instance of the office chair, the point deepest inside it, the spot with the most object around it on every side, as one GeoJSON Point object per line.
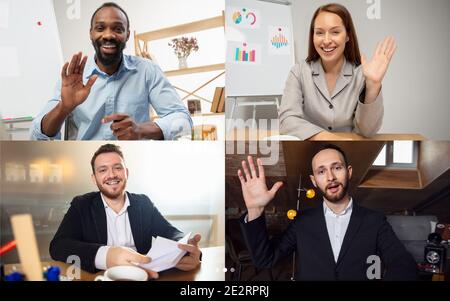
{"type": "Point", "coordinates": [70, 130]}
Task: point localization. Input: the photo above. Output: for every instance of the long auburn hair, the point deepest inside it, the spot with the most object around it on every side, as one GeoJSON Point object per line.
{"type": "Point", "coordinates": [351, 51]}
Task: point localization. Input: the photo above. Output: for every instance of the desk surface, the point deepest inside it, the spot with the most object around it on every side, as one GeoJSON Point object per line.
{"type": "Point", "coordinates": [255, 134]}
{"type": "Point", "coordinates": [211, 269]}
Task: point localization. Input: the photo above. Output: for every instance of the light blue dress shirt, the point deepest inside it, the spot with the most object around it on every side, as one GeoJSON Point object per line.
{"type": "Point", "coordinates": [137, 85]}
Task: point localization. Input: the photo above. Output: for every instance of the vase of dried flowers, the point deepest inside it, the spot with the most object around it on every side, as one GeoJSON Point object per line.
{"type": "Point", "coordinates": [182, 48]}
{"type": "Point", "coordinates": [182, 62]}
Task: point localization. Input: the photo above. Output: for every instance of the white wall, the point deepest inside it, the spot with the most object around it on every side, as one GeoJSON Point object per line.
{"type": "Point", "coordinates": [417, 87]}
{"type": "Point", "coordinates": [147, 16]}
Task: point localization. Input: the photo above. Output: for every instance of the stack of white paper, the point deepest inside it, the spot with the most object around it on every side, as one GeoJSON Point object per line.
{"type": "Point", "coordinates": [165, 253]}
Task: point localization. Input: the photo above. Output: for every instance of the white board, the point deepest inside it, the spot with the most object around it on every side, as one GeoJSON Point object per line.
{"type": "Point", "coordinates": [260, 47]}
{"type": "Point", "coordinates": [30, 56]}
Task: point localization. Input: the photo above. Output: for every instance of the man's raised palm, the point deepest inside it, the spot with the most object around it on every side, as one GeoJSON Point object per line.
{"type": "Point", "coordinates": [73, 91]}
{"type": "Point", "coordinates": [254, 188]}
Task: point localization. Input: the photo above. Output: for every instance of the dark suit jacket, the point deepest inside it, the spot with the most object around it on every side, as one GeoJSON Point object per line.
{"type": "Point", "coordinates": [83, 229]}
{"type": "Point", "coordinates": [368, 233]}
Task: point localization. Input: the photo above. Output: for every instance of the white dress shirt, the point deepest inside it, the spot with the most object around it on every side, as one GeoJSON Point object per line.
{"type": "Point", "coordinates": [119, 232]}
{"type": "Point", "coordinates": [337, 225]}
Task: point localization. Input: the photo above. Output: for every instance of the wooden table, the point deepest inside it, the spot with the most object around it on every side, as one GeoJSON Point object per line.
{"type": "Point", "coordinates": [211, 269]}
{"type": "Point", "coordinates": [258, 134]}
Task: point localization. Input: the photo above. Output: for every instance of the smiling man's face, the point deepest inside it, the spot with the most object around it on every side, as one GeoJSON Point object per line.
{"type": "Point", "coordinates": [331, 175]}
{"type": "Point", "coordinates": [109, 35]}
{"type": "Point", "coordinates": [110, 175]}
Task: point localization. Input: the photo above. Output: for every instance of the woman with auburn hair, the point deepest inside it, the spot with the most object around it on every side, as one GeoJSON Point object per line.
{"type": "Point", "coordinates": [335, 89]}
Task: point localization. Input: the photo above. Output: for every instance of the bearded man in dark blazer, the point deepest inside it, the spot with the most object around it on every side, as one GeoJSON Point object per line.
{"type": "Point", "coordinates": [335, 241]}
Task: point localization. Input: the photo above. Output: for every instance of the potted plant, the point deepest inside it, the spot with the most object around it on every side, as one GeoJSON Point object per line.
{"type": "Point", "coordinates": [183, 47]}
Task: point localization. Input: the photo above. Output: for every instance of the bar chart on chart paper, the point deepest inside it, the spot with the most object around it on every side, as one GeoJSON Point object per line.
{"type": "Point", "coordinates": [279, 40]}
{"type": "Point", "coordinates": [245, 53]}
{"type": "Point", "coordinates": [245, 56]}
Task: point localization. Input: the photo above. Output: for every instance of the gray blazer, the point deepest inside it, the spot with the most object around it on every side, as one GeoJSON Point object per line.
{"type": "Point", "coordinates": [307, 107]}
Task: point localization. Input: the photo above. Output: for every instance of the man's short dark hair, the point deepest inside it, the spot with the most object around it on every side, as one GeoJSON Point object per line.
{"type": "Point", "coordinates": [336, 148]}
{"type": "Point", "coordinates": [111, 4]}
{"type": "Point", "coordinates": [107, 148]}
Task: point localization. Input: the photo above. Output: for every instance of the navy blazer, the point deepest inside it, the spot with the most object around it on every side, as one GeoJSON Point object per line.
{"type": "Point", "coordinates": [83, 229]}
{"type": "Point", "coordinates": [368, 233]}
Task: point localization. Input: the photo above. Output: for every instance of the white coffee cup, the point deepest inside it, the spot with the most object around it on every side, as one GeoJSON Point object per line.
{"type": "Point", "coordinates": [123, 273]}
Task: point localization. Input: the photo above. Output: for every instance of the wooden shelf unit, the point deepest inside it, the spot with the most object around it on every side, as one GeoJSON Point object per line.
{"type": "Point", "coordinates": [201, 25]}
{"type": "Point", "coordinates": [199, 69]}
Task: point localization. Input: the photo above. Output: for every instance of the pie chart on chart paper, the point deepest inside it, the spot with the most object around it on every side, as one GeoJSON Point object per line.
{"type": "Point", "coordinates": [237, 18]}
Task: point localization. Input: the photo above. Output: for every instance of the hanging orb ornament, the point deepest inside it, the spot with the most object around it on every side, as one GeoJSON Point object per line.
{"type": "Point", "coordinates": [310, 193]}
{"type": "Point", "coordinates": [291, 214]}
